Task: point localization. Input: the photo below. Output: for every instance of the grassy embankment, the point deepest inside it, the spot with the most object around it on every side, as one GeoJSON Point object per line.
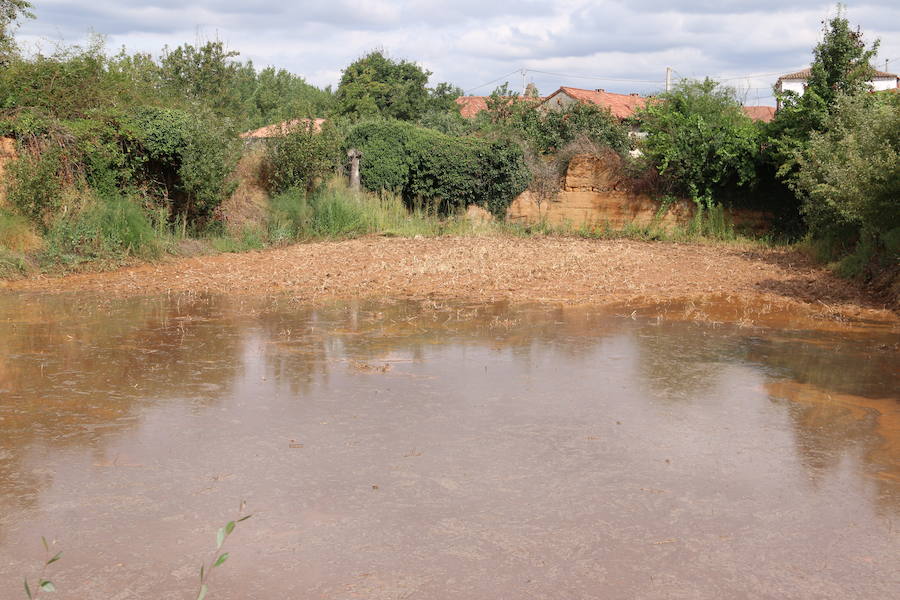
{"type": "Point", "coordinates": [110, 232]}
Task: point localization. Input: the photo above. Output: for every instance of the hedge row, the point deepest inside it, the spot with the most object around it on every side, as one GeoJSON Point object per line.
{"type": "Point", "coordinates": [181, 159]}
{"type": "Point", "coordinates": [450, 172]}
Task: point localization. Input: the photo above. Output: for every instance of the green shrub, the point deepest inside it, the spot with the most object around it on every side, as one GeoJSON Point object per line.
{"type": "Point", "coordinates": [12, 264]}
{"type": "Point", "coordinates": [301, 157]}
{"type": "Point", "coordinates": [700, 141]}
{"type": "Point", "coordinates": [34, 185]}
{"type": "Point", "coordinates": [289, 216]}
{"type": "Point", "coordinates": [109, 227]}
{"type": "Point", "coordinates": [448, 172]}
{"type": "Point", "coordinates": [16, 232]}
{"type": "Point", "coordinates": [850, 174]}
{"type": "Point", "coordinates": [189, 156]}
{"type": "Point", "coordinates": [849, 180]}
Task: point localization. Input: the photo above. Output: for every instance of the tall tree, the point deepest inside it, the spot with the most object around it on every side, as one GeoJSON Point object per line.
{"type": "Point", "coordinates": [10, 12]}
{"type": "Point", "coordinates": [841, 65]}
{"type": "Point", "coordinates": [378, 85]}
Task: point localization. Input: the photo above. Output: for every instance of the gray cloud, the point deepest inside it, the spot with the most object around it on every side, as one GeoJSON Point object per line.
{"type": "Point", "coordinates": [470, 42]}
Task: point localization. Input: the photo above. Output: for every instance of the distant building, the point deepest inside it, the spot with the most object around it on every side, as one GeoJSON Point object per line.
{"type": "Point", "coordinates": [760, 113]}
{"type": "Point", "coordinates": [622, 106]}
{"type": "Point", "coordinates": [470, 106]}
{"type": "Point", "coordinates": [796, 82]}
{"type": "Point", "coordinates": [279, 129]}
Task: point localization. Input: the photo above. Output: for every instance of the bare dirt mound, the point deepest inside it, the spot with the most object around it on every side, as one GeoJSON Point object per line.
{"type": "Point", "coordinates": [489, 269]}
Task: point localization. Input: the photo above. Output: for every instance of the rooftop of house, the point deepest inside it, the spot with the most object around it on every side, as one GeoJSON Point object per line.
{"type": "Point", "coordinates": [270, 131]}
{"type": "Point", "coordinates": [469, 106]}
{"type": "Point", "coordinates": [805, 74]}
{"type": "Point", "coordinates": [760, 113]}
{"type": "Point", "coordinates": [621, 106]}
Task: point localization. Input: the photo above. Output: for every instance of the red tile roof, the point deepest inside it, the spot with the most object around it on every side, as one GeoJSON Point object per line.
{"type": "Point", "coordinates": [469, 106]}
{"type": "Point", "coordinates": [284, 128]}
{"type": "Point", "coordinates": [621, 106]}
{"type": "Point", "coordinates": [760, 113]}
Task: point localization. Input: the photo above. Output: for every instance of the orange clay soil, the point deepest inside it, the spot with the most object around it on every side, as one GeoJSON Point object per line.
{"type": "Point", "coordinates": [552, 269]}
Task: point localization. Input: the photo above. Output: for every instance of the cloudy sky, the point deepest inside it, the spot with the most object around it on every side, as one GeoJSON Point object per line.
{"type": "Point", "coordinates": [621, 46]}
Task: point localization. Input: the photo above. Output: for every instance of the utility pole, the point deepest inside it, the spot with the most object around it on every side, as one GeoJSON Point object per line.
{"type": "Point", "coordinates": [668, 78]}
{"type": "Point", "coordinates": [524, 86]}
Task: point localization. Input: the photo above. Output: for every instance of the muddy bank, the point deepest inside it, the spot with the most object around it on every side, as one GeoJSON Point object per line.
{"type": "Point", "coordinates": [543, 270]}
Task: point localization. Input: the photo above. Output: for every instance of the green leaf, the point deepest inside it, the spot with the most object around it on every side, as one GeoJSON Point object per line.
{"type": "Point", "coordinates": [229, 528]}
{"type": "Point", "coordinates": [220, 538]}
{"type": "Point", "coordinates": [46, 545]}
{"type": "Point", "coordinates": [48, 586]}
{"type": "Point", "coordinates": [55, 558]}
{"type": "Point", "coordinates": [244, 518]}
{"type": "Point", "coordinates": [202, 572]}
{"type": "Point", "coordinates": [28, 590]}
{"type": "Point", "coordinates": [203, 590]}
{"type": "Point", "coordinates": [220, 560]}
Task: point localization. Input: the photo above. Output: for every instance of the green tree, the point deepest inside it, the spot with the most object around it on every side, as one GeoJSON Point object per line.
{"type": "Point", "coordinates": [10, 12]}
{"type": "Point", "coordinates": [209, 75]}
{"type": "Point", "coordinates": [700, 140]}
{"type": "Point", "coordinates": [849, 176]}
{"type": "Point", "coordinates": [281, 96]}
{"type": "Point", "coordinates": [377, 85]}
{"type": "Point", "coordinates": [841, 66]}
{"type": "Point", "coordinates": [443, 97]}
{"type": "Point", "coordinates": [548, 131]}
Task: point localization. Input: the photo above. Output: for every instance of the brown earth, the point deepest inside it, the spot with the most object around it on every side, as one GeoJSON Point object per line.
{"type": "Point", "coordinates": [7, 155]}
{"type": "Point", "coordinates": [596, 193]}
{"type": "Point", "coordinates": [547, 270]}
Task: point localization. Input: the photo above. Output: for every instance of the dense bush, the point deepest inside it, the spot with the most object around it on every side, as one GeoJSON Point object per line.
{"type": "Point", "coordinates": [700, 140]}
{"type": "Point", "coordinates": [301, 157]}
{"type": "Point", "coordinates": [34, 186]}
{"type": "Point", "coordinates": [450, 172]}
{"type": "Point", "coordinates": [849, 174]}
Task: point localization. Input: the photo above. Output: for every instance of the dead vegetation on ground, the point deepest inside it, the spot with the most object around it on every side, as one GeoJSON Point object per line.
{"type": "Point", "coordinates": [495, 268]}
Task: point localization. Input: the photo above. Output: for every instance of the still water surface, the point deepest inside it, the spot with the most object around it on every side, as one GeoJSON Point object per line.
{"type": "Point", "coordinates": [444, 451]}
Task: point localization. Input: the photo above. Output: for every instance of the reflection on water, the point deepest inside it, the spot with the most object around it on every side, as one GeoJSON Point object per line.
{"type": "Point", "coordinates": [444, 451]}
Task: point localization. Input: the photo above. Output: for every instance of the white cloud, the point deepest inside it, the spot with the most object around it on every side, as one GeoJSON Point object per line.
{"type": "Point", "coordinates": [470, 42]}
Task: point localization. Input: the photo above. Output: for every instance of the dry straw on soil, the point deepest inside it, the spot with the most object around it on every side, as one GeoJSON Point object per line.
{"type": "Point", "coordinates": [495, 268]}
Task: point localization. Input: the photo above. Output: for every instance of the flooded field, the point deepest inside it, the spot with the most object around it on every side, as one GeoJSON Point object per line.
{"type": "Point", "coordinates": [422, 450]}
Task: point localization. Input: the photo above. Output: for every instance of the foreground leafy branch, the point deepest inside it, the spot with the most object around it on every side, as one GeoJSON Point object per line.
{"type": "Point", "coordinates": [219, 557]}
{"type": "Point", "coordinates": [43, 584]}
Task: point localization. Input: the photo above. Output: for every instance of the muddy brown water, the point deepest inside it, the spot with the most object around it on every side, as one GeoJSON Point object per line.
{"type": "Point", "coordinates": [410, 450]}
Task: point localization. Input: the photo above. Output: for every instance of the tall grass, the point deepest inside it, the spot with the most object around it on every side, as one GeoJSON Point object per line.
{"type": "Point", "coordinates": [112, 227]}
{"type": "Point", "coordinates": [16, 233]}
{"type": "Point", "coordinates": [336, 211]}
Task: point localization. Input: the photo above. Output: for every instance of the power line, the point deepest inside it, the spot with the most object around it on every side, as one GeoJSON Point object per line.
{"type": "Point", "coordinates": [564, 75]}
{"type": "Point", "coordinates": [755, 75]}
{"type": "Point", "coordinates": [493, 81]}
